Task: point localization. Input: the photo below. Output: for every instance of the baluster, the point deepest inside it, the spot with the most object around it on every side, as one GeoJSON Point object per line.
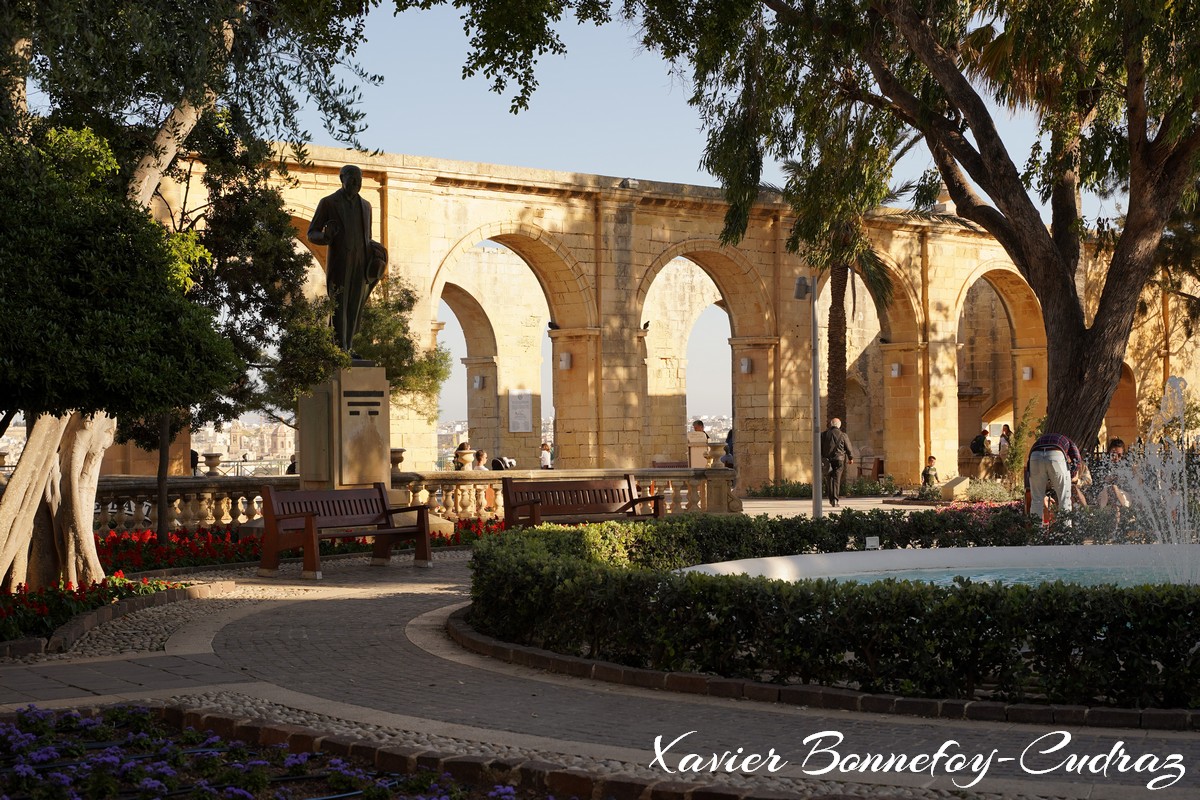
{"type": "Point", "coordinates": [480, 500]}
{"type": "Point", "coordinates": [676, 496]}
{"type": "Point", "coordinates": [152, 522]}
{"type": "Point", "coordinates": [204, 513]}
{"type": "Point", "coordinates": [498, 502]}
{"type": "Point", "coordinates": [139, 513]}
{"type": "Point", "coordinates": [459, 501]}
{"type": "Point", "coordinates": [174, 513]}
{"type": "Point", "coordinates": [120, 518]}
{"type": "Point", "coordinates": [223, 503]}
{"type": "Point", "coordinates": [693, 494]}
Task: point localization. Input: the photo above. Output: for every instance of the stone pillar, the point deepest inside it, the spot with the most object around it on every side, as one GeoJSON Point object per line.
{"type": "Point", "coordinates": [941, 395]}
{"type": "Point", "coordinates": [483, 406]}
{"type": "Point", "coordinates": [904, 411]}
{"type": "Point", "coordinates": [576, 438]}
{"type": "Point", "coordinates": [1034, 360]}
{"type": "Point", "coordinates": [344, 431]}
{"type": "Point", "coordinates": [755, 365]}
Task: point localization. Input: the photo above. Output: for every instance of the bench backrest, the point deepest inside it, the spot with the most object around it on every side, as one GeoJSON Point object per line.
{"type": "Point", "coordinates": [335, 508]}
{"type": "Point", "coordinates": [572, 496]}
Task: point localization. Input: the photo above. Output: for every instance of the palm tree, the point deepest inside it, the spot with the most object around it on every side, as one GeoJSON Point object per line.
{"type": "Point", "coordinates": [832, 194]}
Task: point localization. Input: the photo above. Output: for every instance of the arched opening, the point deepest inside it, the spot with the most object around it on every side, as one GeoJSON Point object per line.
{"type": "Point", "coordinates": [1121, 420]}
{"type": "Point", "coordinates": [493, 317]}
{"type": "Point", "coordinates": [985, 365]}
{"type": "Point", "coordinates": [863, 384]}
{"type": "Point", "coordinates": [685, 347]}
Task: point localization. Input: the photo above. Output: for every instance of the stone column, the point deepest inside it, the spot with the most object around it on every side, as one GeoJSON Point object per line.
{"type": "Point", "coordinates": [576, 354]}
{"type": "Point", "coordinates": [483, 406]}
{"type": "Point", "coordinates": [904, 411]}
{"type": "Point", "coordinates": [755, 365]}
{"type": "Point", "coordinates": [1035, 388]}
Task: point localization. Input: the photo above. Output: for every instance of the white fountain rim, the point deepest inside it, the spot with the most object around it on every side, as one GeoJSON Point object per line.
{"type": "Point", "coordinates": [833, 565]}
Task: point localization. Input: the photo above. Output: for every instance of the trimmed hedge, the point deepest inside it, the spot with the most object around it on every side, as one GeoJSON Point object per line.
{"type": "Point", "coordinates": [609, 592]}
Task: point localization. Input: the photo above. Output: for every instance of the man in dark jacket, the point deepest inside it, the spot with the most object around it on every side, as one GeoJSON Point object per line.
{"type": "Point", "coordinates": [836, 453]}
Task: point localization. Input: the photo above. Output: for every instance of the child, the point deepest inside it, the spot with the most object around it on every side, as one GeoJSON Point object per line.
{"type": "Point", "coordinates": [929, 476]}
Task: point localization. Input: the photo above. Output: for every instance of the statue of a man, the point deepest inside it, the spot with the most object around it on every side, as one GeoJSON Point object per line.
{"type": "Point", "coordinates": [354, 263]}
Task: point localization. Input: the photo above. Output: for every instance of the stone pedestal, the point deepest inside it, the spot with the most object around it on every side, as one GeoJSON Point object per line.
{"type": "Point", "coordinates": [344, 431]}
{"type": "Point", "coordinates": [697, 449]}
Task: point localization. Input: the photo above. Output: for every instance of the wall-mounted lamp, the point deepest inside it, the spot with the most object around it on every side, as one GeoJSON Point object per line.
{"type": "Point", "coordinates": [1026, 373]}
{"type": "Point", "coordinates": [895, 369]}
{"type": "Point", "coordinates": [746, 366]}
{"type": "Point", "coordinates": [802, 288]}
{"type": "Point", "coordinates": [564, 360]}
{"type": "Point", "coordinates": [478, 382]}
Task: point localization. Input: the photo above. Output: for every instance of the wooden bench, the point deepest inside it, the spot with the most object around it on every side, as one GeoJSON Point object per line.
{"type": "Point", "coordinates": [302, 518]}
{"type": "Point", "coordinates": [529, 502]}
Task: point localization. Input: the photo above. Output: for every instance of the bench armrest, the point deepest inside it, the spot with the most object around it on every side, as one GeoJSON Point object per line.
{"type": "Point", "coordinates": [656, 499]}
{"type": "Point", "coordinates": [402, 509]}
{"type": "Point", "coordinates": [534, 502]}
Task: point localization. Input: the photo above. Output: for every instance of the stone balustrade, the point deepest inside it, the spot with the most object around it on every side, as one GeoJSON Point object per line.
{"type": "Point", "coordinates": [129, 503]}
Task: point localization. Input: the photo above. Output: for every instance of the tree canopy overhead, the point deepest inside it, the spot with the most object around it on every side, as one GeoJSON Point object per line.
{"type": "Point", "coordinates": [1114, 87]}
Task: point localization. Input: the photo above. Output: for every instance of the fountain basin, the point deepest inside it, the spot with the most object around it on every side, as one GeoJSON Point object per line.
{"type": "Point", "coordinates": [979, 563]}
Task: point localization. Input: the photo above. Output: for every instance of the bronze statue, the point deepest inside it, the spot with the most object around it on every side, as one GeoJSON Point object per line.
{"type": "Point", "coordinates": [354, 263]}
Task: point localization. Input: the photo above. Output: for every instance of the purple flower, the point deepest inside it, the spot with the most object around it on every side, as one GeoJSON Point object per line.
{"type": "Point", "coordinates": [43, 755]}
{"type": "Point", "coordinates": [24, 770]}
{"type": "Point", "coordinates": [152, 785]}
{"type": "Point", "coordinates": [234, 793]}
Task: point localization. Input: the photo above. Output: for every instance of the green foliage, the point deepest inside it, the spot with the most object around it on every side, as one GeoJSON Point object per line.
{"type": "Point", "coordinates": [119, 65]}
{"type": "Point", "coordinates": [1018, 446]}
{"type": "Point", "coordinates": [858, 487]}
{"type": "Point", "coordinates": [92, 312]}
{"type": "Point", "coordinates": [785, 487]}
{"type": "Point", "coordinates": [613, 592]}
{"type": "Point", "coordinates": [384, 336]}
{"type": "Point", "coordinates": [989, 491]}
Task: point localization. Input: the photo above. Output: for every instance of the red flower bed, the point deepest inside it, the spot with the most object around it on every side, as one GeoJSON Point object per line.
{"type": "Point", "coordinates": [24, 613]}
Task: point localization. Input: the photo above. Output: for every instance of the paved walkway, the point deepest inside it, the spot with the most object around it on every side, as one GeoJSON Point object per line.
{"type": "Point", "coordinates": [364, 648]}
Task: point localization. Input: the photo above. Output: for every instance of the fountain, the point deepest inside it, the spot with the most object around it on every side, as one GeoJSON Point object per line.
{"type": "Point", "coordinates": [1158, 478]}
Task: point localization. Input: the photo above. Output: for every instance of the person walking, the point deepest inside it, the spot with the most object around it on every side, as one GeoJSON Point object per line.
{"type": "Point", "coordinates": [1053, 461]}
{"type": "Point", "coordinates": [836, 453]}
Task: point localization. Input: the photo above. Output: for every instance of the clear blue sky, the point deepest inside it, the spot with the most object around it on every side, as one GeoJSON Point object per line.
{"type": "Point", "coordinates": [607, 107]}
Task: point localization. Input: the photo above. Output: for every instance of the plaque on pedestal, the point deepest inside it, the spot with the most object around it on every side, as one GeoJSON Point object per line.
{"type": "Point", "coordinates": [345, 431]}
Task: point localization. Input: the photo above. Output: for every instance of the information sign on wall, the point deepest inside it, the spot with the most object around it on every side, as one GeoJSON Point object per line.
{"type": "Point", "coordinates": [520, 411]}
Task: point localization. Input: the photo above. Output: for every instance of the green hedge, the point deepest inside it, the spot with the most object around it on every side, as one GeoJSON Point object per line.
{"type": "Point", "coordinates": [608, 592]}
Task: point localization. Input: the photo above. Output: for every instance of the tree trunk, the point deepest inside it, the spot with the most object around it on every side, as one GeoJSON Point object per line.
{"type": "Point", "coordinates": [164, 464]}
{"type": "Point", "coordinates": [23, 495]}
{"type": "Point", "coordinates": [836, 367]}
{"type": "Point", "coordinates": [80, 456]}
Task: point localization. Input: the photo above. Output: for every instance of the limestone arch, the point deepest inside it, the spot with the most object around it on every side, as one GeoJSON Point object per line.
{"type": "Point", "coordinates": [568, 288]}
{"type": "Point", "coordinates": [1024, 310]}
{"type": "Point", "coordinates": [478, 331]}
{"type": "Point", "coordinates": [750, 310]}
{"type": "Point", "coordinates": [903, 319]}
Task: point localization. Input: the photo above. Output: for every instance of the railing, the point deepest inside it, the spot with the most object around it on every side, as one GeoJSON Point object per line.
{"type": "Point", "coordinates": [130, 503]}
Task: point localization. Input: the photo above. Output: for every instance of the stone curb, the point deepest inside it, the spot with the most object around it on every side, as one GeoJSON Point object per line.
{"type": "Point", "coordinates": [814, 696]}
{"type": "Point", "coordinates": [74, 630]}
{"type": "Point", "coordinates": [481, 771]}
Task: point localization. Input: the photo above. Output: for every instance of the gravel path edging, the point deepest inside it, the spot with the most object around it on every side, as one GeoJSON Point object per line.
{"type": "Point", "coordinates": [813, 696]}
{"type": "Point", "coordinates": [481, 771]}
{"type": "Point", "coordinates": [71, 632]}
